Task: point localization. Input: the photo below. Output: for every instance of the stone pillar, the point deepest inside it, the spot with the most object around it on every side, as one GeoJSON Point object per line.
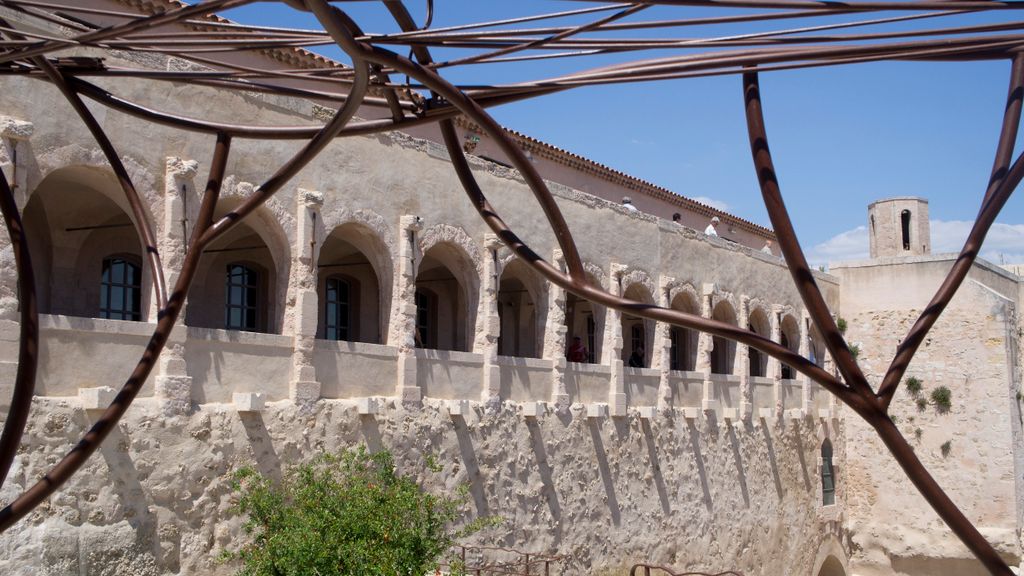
{"type": "Point", "coordinates": [304, 388]}
{"type": "Point", "coordinates": [613, 346]}
{"type": "Point", "coordinates": [663, 346]}
{"type": "Point", "coordinates": [555, 332]}
{"type": "Point", "coordinates": [14, 149]}
{"type": "Point", "coordinates": [491, 323]}
{"type": "Point", "coordinates": [742, 362]}
{"type": "Point", "coordinates": [805, 347]}
{"type": "Point", "coordinates": [173, 385]}
{"type": "Point", "coordinates": [705, 345]}
{"type": "Point", "coordinates": [404, 319]}
{"type": "Point", "coordinates": [774, 366]}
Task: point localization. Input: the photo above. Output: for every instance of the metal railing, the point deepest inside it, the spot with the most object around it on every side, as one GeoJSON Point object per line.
{"type": "Point", "coordinates": [655, 570]}
{"type": "Point", "coordinates": [495, 560]}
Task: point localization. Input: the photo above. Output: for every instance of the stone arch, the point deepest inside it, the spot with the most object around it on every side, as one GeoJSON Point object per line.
{"type": "Point", "coordinates": [586, 319]}
{"type": "Point", "coordinates": [759, 323]}
{"type": "Point", "coordinates": [683, 341]}
{"type": "Point", "coordinates": [636, 331]}
{"type": "Point", "coordinates": [522, 308]}
{"type": "Point", "coordinates": [73, 233]}
{"type": "Point", "coordinates": [354, 256]}
{"type": "Point", "coordinates": [723, 352]}
{"type": "Point", "coordinates": [447, 289]}
{"type": "Point", "coordinates": [259, 241]}
{"type": "Point", "coordinates": [789, 335]}
{"type": "Point", "coordinates": [831, 559]}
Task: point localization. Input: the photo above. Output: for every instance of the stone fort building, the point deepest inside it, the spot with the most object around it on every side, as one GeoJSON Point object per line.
{"type": "Point", "coordinates": [368, 303]}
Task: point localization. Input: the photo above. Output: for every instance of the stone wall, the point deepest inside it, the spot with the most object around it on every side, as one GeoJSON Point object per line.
{"type": "Point", "coordinates": [606, 491]}
{"type": "Point", "coordinates": [972, 350]}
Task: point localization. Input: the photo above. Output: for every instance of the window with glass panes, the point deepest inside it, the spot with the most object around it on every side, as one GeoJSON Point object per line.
{"type": "Point", "coordinates": [338, 309]}
{"type": "Point", "coordinates": [121, 290]}
{"type": "Point", "coordinates": [242, 299]}
{"type": "Point", "coordinates": [424, 326]}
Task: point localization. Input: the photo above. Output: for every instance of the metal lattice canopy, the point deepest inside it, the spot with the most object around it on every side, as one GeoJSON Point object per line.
{"type": "Point", "coordinates": [412, 90]}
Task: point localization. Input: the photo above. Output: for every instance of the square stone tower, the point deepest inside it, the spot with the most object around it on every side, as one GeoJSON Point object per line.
{"type": "Point", "coordinates": [899, 227]}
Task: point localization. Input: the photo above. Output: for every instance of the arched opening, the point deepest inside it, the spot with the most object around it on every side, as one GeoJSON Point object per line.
{"type": "Point", "coordinates": [444, 313]}
{"type": "Point", "coordinates": [790, 335]}
{"type": "Point", "coordinates": [816, 348]}
{"type": "Point", "coordinates": [86, 254]}
{"type": "Point", "coordinates": [832, 567]}
{"type": "Point", "coordinates": [757, 360]}
{"type": "Point", "coordinates": [723, 353]}
{"type": "Point", "coordinates": [828, 479]}
{"type": "Point", "coordinates": [905, 228]}
{"type": "Point", "coordinates": [518, 294]}
{"type": "Point", "coordinates": [584, 321]}
{"type": "Point", "coordinates": [236, 287]}
{"type": "Point", "coordinates": [637, 332]}
{"type": "Point", "coordinates": [349, 286]}
{"type": "Point", "coordinates": [683, 341]}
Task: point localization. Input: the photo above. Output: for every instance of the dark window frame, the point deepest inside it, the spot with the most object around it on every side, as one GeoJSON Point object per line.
{"type": "Point", "coordinates": [129, 287]}
{"type": "Point", "coordinates": [828, 477]}
{"type": "Point", "coordinates": [252, 306]}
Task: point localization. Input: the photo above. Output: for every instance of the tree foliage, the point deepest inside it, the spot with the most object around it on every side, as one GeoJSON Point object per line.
{"type": "Point", "coordinates": [344, 515]}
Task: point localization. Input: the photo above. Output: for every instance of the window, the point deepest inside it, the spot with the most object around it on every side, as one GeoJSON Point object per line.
{"type": "Point", "coordinates": [121, 290]}
{"type": "Point", "coordinates": [426, 312]}
{"type": "Point", "coordinates": [905, 225]}
{"type": "Point", "coordinates": [828, 480]}
{"type": "Point", "coordinates": [754, 357]}
{"type": "Point", "coordinates": [338, 308]}
{"type": "Point", "coordinates": [636, 337]}
{"type": "Point", "coordinates": [787, 370]}
{"type": "Point", "coordinates": [241, 311]}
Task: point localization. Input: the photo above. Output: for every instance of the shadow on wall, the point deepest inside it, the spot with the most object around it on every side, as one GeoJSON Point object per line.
{"type": "Point", "coordinates": [264, 454]}
{"type": "Point", "coordinates": [605, 471]}
{"type": "Point", "coordinates": [476, 483]}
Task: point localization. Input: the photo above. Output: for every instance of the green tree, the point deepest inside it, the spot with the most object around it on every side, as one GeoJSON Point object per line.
{"type": "Point", "coordinates": [344, 515]}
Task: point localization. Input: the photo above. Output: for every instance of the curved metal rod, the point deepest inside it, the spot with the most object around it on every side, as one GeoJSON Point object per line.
{"type": "Point", "coordinates": [788, 242]}
{"type": "Point", "coordinates": [141, 220]}
{"type": "Point", "coordinates": [877, 417]}
{"type": "Point", "coordinates": [74, 459]}
{"type": "Point", "coordinates": [28, 339]}
{"type": "Point", "coordinates": [1002, 183]}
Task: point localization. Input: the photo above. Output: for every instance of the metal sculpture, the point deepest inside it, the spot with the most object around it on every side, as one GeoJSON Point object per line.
{"type": "Point", "coordinates": [367, 83]}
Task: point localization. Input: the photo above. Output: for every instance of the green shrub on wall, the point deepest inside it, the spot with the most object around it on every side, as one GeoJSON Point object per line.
{"type": "Point", "coordinates": [343, 515]}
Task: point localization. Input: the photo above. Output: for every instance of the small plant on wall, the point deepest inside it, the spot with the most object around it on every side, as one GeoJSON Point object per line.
{"type": "Point", "coordinates": [946, 448]}
{"type": "Point", "coordinates": [914, 386]}
{"type": "Point", "coordinates": [942, 398]}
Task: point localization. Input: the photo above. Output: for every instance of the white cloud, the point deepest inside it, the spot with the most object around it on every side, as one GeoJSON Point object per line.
{"type": "Point", "coordinates": [1005, 243]}
{"type": "Point", "coordinates": [717, 204]}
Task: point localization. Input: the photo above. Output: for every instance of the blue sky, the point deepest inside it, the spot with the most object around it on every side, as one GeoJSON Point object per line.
{"type": "Point", "coordinates": [841, 136]}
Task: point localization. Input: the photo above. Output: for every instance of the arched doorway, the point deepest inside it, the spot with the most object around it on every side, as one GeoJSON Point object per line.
{"type": "Point", "coordinates": [637, 332]}
{"type": "Point", "coordinates": [349, 279]}
{"type": "Point", "coordinates": [236, 286]}
{"type": "Point", "coordinates": [585, 320]}
{"type": "Point", "coordinates": [831, 567]}
{"type": "Point", "coordinates": [444, 313]}
{"type": "Point", "coordinates": [518, 312]}
{"type": "Point", "coordinates": [683, 341]}
{"type": "Point", "coordinates": [790, 335]}
{"type": "Point", "coordinates": [757, 360]}
{"type": "Point", "coordinates": [723, 354]}
{"type": "Point", "coordinates": [85, 251]}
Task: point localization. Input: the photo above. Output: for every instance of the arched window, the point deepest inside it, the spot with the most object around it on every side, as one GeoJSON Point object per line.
{"type": "Point", "coordinates": [828, 479]}
{"type": "Point", "coordinates": [341, 297]}
{"type": "Point", "coordinates": [905, 226]}
{"type": "Point", "coordinates": [242, 298]}
{"type": "Point", "coordinates": [121, 290]}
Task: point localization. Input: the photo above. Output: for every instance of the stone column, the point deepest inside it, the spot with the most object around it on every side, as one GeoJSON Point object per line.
{"type": "Point", "coordinates": [705, 345]}
{"type": "Point", "coordinates": [774, 366]}
{"type": "Point", "coordinates": [172, 385]}
{"type": "Point", "coordinates": [304, 388]}
{"type": "Point", "coordinates": [491, 322]}
{"type": "Point", "coordinates": [742, 361]}
{"type": "Point", "coordinates": [404, 318]}
{"type": "Point", "coordinates": [14, 149]}
{"type": "Point", "coordinates": [555, 332]}
{"type": "Point", "coordinates": [613, 346]}
{"type": "Point", "coordinates": [663, 346]}
{"type": "Point", "coordinates": [805, 347]}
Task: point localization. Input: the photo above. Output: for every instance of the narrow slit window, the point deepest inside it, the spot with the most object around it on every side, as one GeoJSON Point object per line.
{"type": "Point", "coordinates": [905, 226]}
{"type": "Point", "coordinates": [338, 309]}
{"type": "Point", "coordinates": [828, 479]}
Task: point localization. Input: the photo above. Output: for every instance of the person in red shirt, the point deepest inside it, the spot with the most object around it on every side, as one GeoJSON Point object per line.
{"type": "Point", "coordinates": [577, 351]}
